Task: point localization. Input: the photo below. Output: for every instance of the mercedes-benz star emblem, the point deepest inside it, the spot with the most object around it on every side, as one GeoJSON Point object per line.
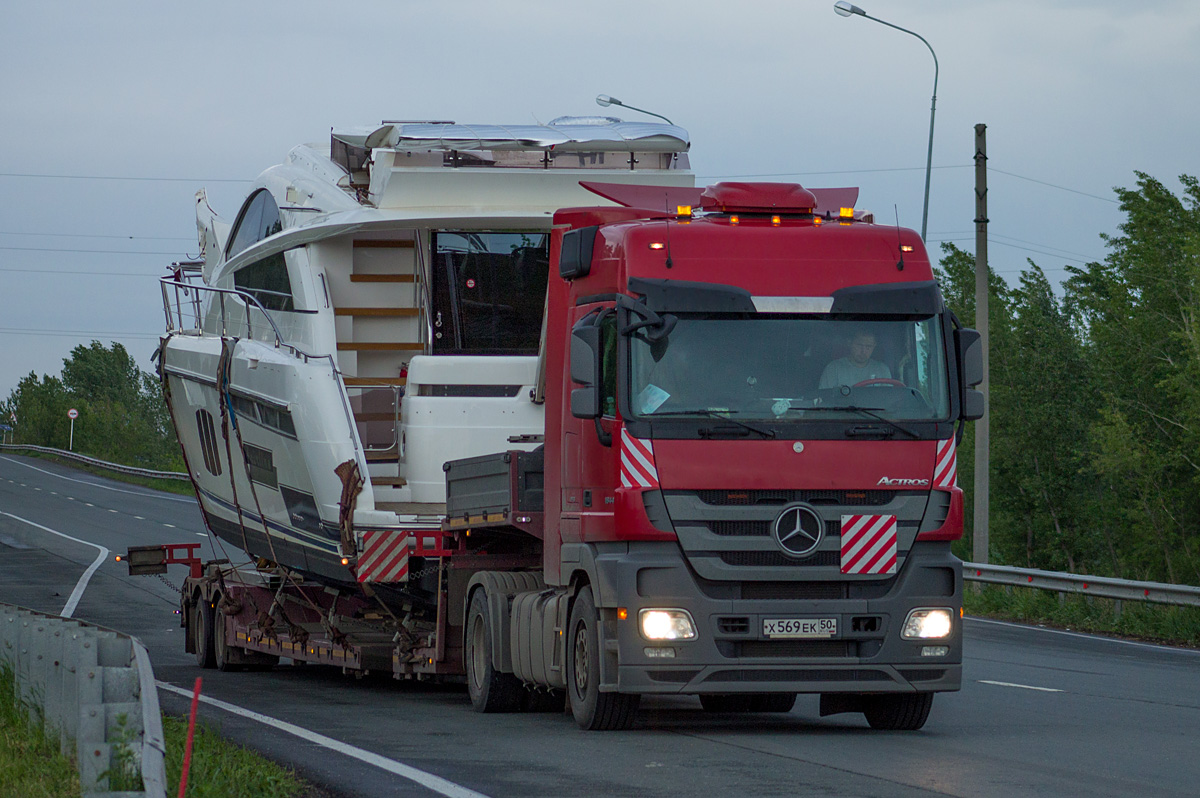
{"type": "Point", "coordinates": [799, 530]}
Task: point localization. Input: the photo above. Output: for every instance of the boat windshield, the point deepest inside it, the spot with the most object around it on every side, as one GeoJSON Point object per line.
{"type": "Point", "coordinates": [792, 368]}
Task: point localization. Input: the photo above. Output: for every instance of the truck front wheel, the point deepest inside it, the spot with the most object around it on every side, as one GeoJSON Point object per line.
{"type": "Point", "coordinates": [593, 710]}
{"type": "Point", "coordinates": [490, 690]}
{"type": "Point", "coordinates": [905, 712]}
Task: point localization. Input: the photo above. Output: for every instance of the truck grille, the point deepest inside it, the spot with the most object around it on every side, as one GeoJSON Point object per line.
{"type": "Point", "coordinates": [860, 498]}
{"type": "Point", "coordinates": [775, 559]}
{"type": "Point", "coordinates": [795, 648]}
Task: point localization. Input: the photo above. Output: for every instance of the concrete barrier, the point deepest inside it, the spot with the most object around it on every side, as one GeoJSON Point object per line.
{"type": "Point", "coordinates": [94, 689]}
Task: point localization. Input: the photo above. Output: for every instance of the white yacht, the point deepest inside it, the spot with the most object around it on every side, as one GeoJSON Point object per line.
{"type": "Point", "coordinates": [374, 310]}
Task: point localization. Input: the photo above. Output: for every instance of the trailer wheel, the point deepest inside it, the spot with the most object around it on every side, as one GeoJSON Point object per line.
{"type": "Point", "coordinates": [200, 625]}
{"type": "Point", "coordinates": [226, 660]}
{"type": "Point", "coordinates": [905, 712]}
{"type": "Point", "coordinates": [490, 690]}
{"type": "Point", "coordinates": [593, 710]}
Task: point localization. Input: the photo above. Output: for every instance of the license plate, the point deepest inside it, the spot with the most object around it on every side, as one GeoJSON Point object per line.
{"type": "Point", "coordinates": [800, 627]}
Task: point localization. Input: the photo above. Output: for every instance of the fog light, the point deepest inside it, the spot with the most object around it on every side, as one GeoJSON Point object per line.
{"type": "Point", "coordinates": [935, 651]}
{"type": "Point", "coordinates": [666, 624]}
{"type": "Point", "coordinates": [659, 653]}
{"type": "Point", "coordinates": [927, 624]}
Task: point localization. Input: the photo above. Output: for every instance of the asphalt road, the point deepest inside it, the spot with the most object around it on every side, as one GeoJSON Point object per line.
{"type": "Point", "coordinates": [1041, 712]}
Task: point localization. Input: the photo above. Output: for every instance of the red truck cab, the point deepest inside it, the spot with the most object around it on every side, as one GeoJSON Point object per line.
{"type": "Point", "coordinates": [748, 505]}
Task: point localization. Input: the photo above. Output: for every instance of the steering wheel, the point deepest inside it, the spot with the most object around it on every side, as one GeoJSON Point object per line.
{"type": "Point", "coordinates": [879, 381]}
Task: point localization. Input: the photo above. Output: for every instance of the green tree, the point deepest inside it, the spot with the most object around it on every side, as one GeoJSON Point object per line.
{"type": "Point", "coordinates": [122, 416]}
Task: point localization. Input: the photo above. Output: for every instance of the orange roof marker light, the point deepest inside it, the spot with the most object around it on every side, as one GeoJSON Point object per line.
{"type": "Point", "coordinates": [683, 211]}
{"type": "Point", "coordinates": [656, 245]}
{"type": "Point", "coordinates": [775, 220]}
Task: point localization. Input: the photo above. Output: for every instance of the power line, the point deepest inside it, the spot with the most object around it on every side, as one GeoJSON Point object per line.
{"type": "Point", "coordinates": [1053, 185]}
{"type": "Point", "coordinates": [96, 235]}
{"type": "Point", "coordinates": [133, 179]}
{"type": "Point", "coordinates": [75, 333]}
{"type": "Point", "coordinates": [143, 275]}
{"type": "Point", "coordinates": [842, 171]}
{"type": "Point", "coordinates": [175, 253]}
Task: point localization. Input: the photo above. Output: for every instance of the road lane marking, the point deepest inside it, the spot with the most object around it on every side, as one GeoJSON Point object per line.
{"type": "Point", "coordinates": [1022, 686]}
{"type": "Point", "coordinates": [172, 526]}
{"type": "Point", "coordinates": [163, 496]}
{"type": "Point", "coordinates": [428, 780]}
{"type": "Point", "coordinates": [81, 585]}
{"type": "Point", "coordinates": [202, 534]}
{"type": "Point", "coordinates": [140, 518]}
{"type": "Point", "coordinates": [113, 511]}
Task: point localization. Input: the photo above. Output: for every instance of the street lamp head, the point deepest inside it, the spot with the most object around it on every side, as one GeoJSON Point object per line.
{"type": "Point", "coordinates": [845, 9]}
{"type": "Point", "coordinates": [604, 100]}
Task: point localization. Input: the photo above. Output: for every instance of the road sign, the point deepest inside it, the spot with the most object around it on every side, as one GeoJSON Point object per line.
{"type": "Point", "coordinates": [72, 414]}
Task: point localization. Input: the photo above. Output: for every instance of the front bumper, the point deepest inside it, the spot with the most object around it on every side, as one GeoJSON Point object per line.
{"type": "Point", "coordinates": [730, 653]}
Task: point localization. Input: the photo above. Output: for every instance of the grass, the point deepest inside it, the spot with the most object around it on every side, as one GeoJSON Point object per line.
{"type": "Point", "coordinates": [30, 766]}
{"type": "Point", "coordinates": [221, 769]}
{"type": "Point", "coordinates": [1139, 620]}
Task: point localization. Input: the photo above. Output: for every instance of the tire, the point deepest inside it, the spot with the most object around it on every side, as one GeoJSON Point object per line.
{"type": "Point", "coordinates": [593, 710]}
{"type": "Point", "coordinates": [490, 690]}
{"type": "Point", "coordinates": [200, 625]}
{"type": "Point", "coordinates": [905, 712]}
{"type": "Point", "coordinates": [224, 656]}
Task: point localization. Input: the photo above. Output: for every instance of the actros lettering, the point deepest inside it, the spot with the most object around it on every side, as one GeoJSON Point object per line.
{"type": "Point", "coordinates": [898, 481]}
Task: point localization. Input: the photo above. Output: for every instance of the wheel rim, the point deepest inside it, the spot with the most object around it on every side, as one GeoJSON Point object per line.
{"type": "Point", "coordinates": [581, 659]}
{"type": "Point", "coordinates": [477, 652]}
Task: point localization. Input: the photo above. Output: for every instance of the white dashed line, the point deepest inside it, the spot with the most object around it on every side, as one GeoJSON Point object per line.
{"type": "Point", "coordinates": [140, 518]}
{"type": "Point", "coordinates": [89, 504]}
{"type": "Point", "coordinates": [202, 534]}
{"type": "Point", "coordinates": [171, 526]}
{"type": "Point", "coordinates": [1022, 686]}
{"type": "Point", "coordinates": [113, 511]}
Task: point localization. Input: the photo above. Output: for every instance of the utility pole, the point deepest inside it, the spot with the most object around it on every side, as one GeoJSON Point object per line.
{"type": "Point", "coordinates": [980, 522]}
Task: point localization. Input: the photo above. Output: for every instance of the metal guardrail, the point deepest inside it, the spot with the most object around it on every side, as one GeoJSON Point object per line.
{"type": "Point", "coordinates": [92, 461]}
{"type": "Point", "coordinates": [94, 690]}
{"type": "Point", "coordinates": [1103, 586]}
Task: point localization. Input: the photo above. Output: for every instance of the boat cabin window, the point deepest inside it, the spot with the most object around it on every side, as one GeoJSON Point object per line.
{"type": "Point", "coordinates": [267, 281]}
{"type": "Point", "coordinates": [489, 290]}
{"type": "Point", "coordinates": [259, 218]}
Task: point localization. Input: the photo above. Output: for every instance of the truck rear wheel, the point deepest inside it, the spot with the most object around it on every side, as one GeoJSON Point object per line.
{"type": "Point", "coordinates": [200, 625]}
{"type": "Point", "coordinates": [593, 710]}
{"type": "Point", "coordinates": [490, 690]}
{"type": "Point", "coordinates": [904, 712]}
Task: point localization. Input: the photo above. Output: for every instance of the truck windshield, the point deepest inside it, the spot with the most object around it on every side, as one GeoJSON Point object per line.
{"type": "Point", "coordinates": [791, 368]}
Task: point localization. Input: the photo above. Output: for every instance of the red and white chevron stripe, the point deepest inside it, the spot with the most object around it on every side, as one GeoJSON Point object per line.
{"type": "Point", "coordinates": [945, 471]}
{"type": "Point", "coordinates": [637, 462]}
{"type": "Point", "coordinates": [868, 544]}
{"type": "Point", "coordinates": [384, 556]}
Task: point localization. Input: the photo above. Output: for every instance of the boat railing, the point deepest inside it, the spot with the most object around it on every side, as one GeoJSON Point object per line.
{"type": "Point", "coordinates": [185, 313]}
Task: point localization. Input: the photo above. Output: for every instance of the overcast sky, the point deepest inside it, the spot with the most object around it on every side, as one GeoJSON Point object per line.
{"type": "Point", "coordinates": [172, 97]}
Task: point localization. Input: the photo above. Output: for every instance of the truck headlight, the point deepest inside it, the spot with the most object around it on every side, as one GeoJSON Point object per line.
{"type": "Point", "coordinates": [927, 623]}
{"type": "Point", "coordinates": [666, 624]}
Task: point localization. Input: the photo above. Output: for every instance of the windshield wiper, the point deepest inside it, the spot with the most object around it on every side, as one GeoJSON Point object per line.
{"type": "Point", "coordinates": [707, 431]}
{"type": "Point", "coordinates": [866, 411]}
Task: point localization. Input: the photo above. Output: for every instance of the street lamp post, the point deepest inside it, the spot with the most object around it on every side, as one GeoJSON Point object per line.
{"type": "Point", "coordinates": [603, 100]}
{"type": "Point", "coordinates": [846, 10]}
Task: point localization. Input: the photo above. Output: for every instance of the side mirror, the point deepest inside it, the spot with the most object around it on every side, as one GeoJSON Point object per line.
{"type": "Point", "coordinates": [970, 356]}
{"type": "Point", "coordinates": [585, 368]}
{"type": "Point", "coordinates": [575, 258]}
{"type": "Point", "coordinates": [969, 345]}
